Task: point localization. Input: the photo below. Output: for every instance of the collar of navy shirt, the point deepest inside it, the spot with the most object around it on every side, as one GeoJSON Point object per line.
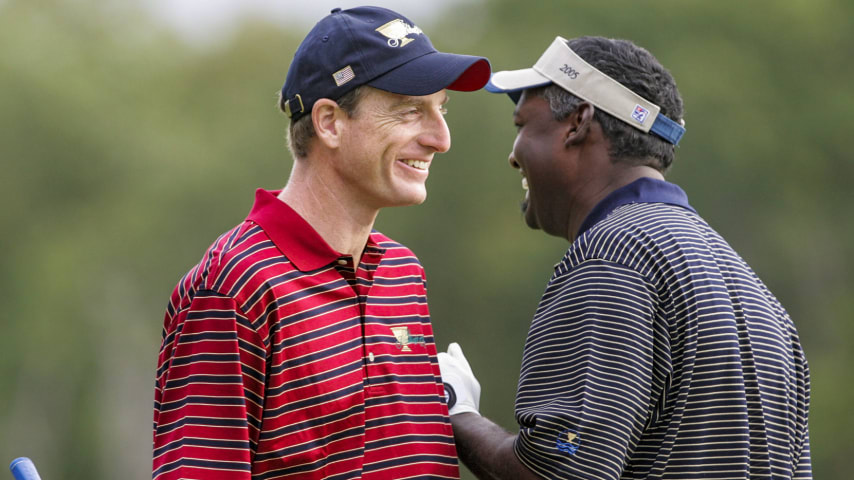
{"type": "Point", "coordinates": [642, 190]}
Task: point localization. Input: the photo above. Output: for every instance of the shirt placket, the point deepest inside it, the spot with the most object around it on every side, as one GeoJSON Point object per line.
{"type": "Point", "coordinates": [360, 278]}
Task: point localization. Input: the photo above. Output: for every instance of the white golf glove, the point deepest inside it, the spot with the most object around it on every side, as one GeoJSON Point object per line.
{"type": "Point", "coordinates": [462, 390]}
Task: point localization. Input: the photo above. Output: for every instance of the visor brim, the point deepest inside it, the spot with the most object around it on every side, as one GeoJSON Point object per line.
{"type": "Point", "coordinates": [514, 82]}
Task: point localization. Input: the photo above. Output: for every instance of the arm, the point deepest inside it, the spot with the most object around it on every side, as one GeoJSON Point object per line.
{"type": "Point", "coordinates": [484, 447]}
{"type": "Point", "coordinates": [209, 394]}
{"type": "Point", "coordinates": [487, 449]}
{"type": "Point", "coordinates": [585, 388]}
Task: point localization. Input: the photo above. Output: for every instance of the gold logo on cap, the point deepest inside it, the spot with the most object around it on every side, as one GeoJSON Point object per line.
{"type": "Point", "coordinates": [397, 31]}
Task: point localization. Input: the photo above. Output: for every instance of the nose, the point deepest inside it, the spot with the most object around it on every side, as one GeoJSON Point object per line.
{"type": "Point", "coordinates": [512, 160]}
{"type": "Point", "coordinates": [437, 136]}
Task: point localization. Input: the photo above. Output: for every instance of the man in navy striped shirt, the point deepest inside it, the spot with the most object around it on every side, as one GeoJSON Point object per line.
{"type": "Point", "coordinates": [300, 346]}
{"type": "Point", "coordinates": [655, 352]}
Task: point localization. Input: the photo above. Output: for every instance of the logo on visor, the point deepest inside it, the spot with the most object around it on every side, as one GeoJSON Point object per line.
{"type": "Point", "coordinates": [569, 71]}
{"type": "Point", "coordinates": [397, 30]}
{"type": "Point", "coordinates": [640, 114]}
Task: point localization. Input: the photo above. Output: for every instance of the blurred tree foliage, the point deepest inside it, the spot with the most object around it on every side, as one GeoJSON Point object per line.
{"type": "Point", "coordinates": [125, 151]}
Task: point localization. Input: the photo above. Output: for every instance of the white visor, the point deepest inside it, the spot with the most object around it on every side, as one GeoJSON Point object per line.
{"type": "Point", "coordinates": [561, 66]}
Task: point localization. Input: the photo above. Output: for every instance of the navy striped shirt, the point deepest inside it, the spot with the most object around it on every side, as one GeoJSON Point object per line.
{"type": "Point", "coordinates": [656, 352]}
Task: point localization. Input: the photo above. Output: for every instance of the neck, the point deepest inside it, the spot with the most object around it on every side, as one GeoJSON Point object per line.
{"type": "Point", "coordinates": [619, 177]}
{"type": "Point", "coordinates": [343, 223]}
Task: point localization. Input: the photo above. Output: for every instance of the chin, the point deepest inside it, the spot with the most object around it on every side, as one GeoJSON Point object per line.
{"type": "Point", "coordinates": [530, 218]}
{"type": "Point", "coordinates": [418, 199]}
{"type": "Point", "coordinates": [409, 200]}
{"type": "Point", "coordinates": [532, 224]}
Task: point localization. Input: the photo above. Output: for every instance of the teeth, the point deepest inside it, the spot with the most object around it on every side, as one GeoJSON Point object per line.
{"type": "Point", "coordinates": [417, 164]}
{"type": "Point", "coordinates": [524, 183]}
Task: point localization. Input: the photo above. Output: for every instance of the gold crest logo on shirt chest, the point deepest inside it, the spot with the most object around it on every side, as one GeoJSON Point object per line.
{"type": "Point", "coordinates": [404, 339]}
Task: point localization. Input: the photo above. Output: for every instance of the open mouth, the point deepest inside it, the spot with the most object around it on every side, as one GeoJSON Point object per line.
{"type": "Point", "coordinates": [417, 164]}
{"type": "Point", "coordinates": [525, 184]}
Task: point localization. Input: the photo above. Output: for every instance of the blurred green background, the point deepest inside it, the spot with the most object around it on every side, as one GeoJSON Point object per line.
{"type": "Point", "coordinates": [126, 149]}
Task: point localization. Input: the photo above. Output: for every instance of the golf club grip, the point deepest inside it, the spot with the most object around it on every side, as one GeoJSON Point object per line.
{"type": "Point", "coordinates": [23, 469]}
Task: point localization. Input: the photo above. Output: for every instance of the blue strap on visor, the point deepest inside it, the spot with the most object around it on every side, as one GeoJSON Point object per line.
{"type": "Point", "coordinates": [667, 129]}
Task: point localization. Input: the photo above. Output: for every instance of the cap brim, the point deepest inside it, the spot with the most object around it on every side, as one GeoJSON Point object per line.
{"type": "Point", "coordinates": [513, 82]}
{"type": "Point", "coordinates": [435, 71]}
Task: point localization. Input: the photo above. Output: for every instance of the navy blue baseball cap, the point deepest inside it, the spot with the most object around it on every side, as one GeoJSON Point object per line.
{"type": "Point", "coordinates": [377, 47]}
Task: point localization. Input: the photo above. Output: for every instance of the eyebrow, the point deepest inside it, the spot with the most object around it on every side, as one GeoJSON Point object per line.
{"type": "Point", "coordinates": [415, 101]}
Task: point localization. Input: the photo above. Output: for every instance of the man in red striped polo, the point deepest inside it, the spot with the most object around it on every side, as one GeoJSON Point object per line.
{"type": "Point", "coordinates": [300, 346]}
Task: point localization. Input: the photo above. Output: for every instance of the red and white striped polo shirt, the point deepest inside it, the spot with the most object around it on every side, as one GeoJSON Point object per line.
{"type": "Point", "coordinates": [283, 359]}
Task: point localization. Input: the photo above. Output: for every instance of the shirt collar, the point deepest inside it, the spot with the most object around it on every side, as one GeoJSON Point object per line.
{"type": "Point", "coordinates": [642, 190]}
{"type": "Point", "coordinates": [291, 233]}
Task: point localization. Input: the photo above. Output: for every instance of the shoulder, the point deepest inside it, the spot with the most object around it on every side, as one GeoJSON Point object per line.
{"type": "Point", "coordinates": [640, 236]}
{"type": "Point", "coordinates": [226, 261]}
{"type": "Point", "coordinates": [393, 249]}
{"type": "Point", "coordinates": [397, 260]}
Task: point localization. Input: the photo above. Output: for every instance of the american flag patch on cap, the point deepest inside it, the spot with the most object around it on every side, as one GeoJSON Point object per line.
{"type": "Point", "coordinates": [343, 76]}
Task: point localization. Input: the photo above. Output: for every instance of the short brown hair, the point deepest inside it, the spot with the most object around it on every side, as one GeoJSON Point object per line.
{"type": "Point", "coordinates": [302, 131]}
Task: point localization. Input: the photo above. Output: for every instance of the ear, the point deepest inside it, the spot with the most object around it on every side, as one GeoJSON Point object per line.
{"type": "Point", "coordinates": [325, 115]}
{"type": "Point", "coordinates": [578, 124]}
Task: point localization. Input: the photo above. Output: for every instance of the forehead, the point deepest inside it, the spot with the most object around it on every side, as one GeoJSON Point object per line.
{"type": "Point", "coordinates": [389, 100]}
{"type": "Point", "coordinates": [531, 103]}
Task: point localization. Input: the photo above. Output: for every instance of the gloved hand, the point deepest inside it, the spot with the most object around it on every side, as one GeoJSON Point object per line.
{"type": "Point", "coordinates": [461, 388]}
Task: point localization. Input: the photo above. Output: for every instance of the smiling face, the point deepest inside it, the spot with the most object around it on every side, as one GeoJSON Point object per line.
{"type": "Point", "coordinates": [538, 154]}
{"type": "Point", "coordinates": [388, 145]}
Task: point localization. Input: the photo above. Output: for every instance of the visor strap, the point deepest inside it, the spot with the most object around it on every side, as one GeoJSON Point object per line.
{"type": "Point", "coordinates": [667, 129]}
